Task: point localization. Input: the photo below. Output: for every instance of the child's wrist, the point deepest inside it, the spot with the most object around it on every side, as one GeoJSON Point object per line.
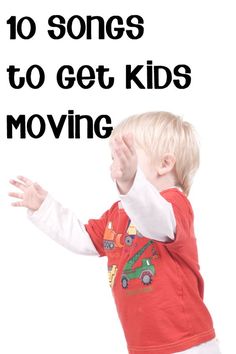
{"type": "Point", "coordinates": [125, 186]}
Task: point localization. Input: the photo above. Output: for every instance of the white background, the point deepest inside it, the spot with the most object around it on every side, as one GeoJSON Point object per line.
{"type": "Point", "coordinates": [51, 300]}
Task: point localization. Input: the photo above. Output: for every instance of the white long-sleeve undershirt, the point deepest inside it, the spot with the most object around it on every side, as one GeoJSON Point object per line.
{"type": "Point", "coordinates": [152, 215]}
{"type": "Point", "coordinates": [63, 226]}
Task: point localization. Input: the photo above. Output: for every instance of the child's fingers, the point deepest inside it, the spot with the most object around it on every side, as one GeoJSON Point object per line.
{"type": "Point", "coordinates": [26, 180]}
{"type": "Point", "coordinates": [121, 148]}
{"type": "Point", "coordinates": [16, 195]}
{"type": "Point", "coordinates": [17, 204]}
{"type": "Point", "coordinates": [17, 184]}
{"type": "Point", "coordinates": [126, 142]}
{"type": "Point", "coordinates": [119, 156]}
{"type": "Point", "coordinates": [129, 142]}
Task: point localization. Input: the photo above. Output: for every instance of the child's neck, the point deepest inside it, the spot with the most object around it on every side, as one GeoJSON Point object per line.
{"type": "Point", "coordinates": [164, 182]}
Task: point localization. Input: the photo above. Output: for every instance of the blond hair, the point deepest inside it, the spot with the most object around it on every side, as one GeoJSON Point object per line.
{"type": "Point", "coordinates": [158, 133]}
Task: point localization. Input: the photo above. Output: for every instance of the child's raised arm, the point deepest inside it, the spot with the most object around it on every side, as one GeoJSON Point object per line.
{"type": "Point", "coordinates": [59, 223]}
{"type": "Point", "coordinates": [151, 213]}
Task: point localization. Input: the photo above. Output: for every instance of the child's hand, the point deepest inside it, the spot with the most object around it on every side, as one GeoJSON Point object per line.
{"type": "Point", "coordinates": [124, 166]}
{"type": "Point", "coordinates": [33, 195]}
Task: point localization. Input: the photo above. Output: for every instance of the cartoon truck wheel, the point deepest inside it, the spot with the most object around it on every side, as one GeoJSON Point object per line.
{"type": "Point", "coordinates": [146, 277]}
{"type": "Point", "coordinates": [108, 245]}
{"type": "Point", "coordinates": [124, 282]}
{"type": "Point", "coordinates": [131, 233]}
{"type": "Point", "coordinates": [129, 240]}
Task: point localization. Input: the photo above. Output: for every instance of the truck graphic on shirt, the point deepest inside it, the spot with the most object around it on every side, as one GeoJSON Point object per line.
{"type": "Point", "coordinates": [111, 239]}
{"type": "Point", "coordinates": [144, 272]}
{"type": "Point", "coordinates": [132, 232]}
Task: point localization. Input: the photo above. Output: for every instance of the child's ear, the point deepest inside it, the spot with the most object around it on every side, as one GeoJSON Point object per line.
{"type": "Point", "coordinates": [167, 164]}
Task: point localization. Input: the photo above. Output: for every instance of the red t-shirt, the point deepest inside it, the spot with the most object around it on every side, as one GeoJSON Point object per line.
{"type": "Point", "coordinates": [157, 286]}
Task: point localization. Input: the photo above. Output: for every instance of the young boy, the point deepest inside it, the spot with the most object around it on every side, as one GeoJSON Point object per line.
{"type": "Point", "coordinates": [147, 236]}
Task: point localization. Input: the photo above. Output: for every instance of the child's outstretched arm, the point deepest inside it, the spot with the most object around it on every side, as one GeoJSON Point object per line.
{"type": "Point", "coordinates": [152, 214]}
{"type": "Point", "coordinates": [51, 217]}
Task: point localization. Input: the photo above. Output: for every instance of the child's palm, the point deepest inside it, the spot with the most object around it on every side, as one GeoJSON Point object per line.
{"type": "Point", "coordinates": [124, 164]}
{"type": "Point", "coordinates": [33, 194]}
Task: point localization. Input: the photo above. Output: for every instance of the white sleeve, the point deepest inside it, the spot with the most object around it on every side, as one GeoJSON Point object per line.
{"type": "Point", "coordinates": [151, 214]}
{"type": "Point", "coordinates": [62, 225]}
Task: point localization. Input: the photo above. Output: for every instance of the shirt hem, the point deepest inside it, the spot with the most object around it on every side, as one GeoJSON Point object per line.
{"type": "Point", "coordinates": [175, 346]}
